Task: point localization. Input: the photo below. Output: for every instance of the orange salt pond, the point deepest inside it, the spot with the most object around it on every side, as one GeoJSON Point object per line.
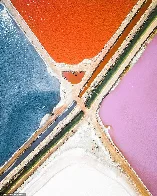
{"type": "Point", "coordinates": [73, 30]}
{"type": "Point", "coordinates": [73, 77]}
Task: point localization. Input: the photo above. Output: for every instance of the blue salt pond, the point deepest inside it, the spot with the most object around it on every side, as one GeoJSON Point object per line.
{"type": "Point", "coordinates": [27, 90]}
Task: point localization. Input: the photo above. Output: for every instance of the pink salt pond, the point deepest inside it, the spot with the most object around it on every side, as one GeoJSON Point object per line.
{"type": "Point", "coordinates": [131, 110]}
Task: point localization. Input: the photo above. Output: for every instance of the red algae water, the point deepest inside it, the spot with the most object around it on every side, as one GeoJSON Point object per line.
{"type": "Point", "coordinates": [131, 110]}
{"type": "Point", "coordinates": [73, 30]}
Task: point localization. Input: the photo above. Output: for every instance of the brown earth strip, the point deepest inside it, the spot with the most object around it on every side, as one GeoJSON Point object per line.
{"type": "Point", "coordinates": [124, 34]}
{"type": "Point", "coordinates": [33, 138]}
{"type": "Point", "coordinates": [117, 156]}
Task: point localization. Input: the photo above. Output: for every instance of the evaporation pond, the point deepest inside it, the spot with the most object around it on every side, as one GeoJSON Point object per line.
{"type": "Point", "coordinates": [27, 90]}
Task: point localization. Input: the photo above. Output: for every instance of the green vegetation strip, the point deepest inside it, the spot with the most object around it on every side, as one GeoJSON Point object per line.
{"type": "Point", "coordinates": [120, 60]}
{"type": "Point", "coordinates": [38, 157]}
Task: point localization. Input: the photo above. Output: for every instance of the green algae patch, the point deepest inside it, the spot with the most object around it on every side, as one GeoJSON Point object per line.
{"type": "Point", "coordinates": [120, 60]}
{"type": "Point", "coordinates": [38, 157]}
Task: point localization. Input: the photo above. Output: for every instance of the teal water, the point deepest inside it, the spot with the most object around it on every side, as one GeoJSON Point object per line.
{"type": "Point", "coordinates": [27, 91]}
